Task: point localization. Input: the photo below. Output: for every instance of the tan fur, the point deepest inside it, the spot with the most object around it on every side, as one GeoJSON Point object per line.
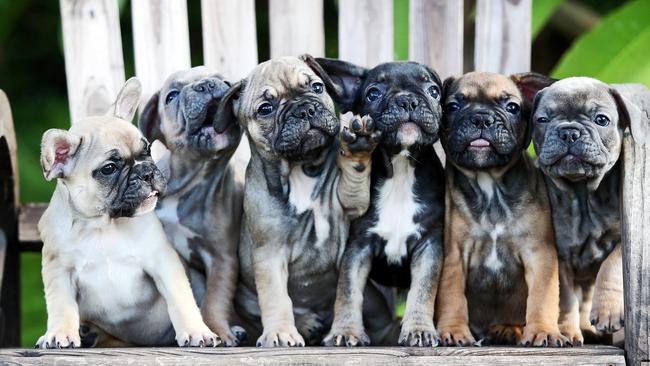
{"type": "Point", "coordinates": [607, 307]}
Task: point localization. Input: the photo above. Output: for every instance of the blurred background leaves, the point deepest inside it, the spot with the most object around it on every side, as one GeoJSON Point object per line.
{"type": "Point", "coordinates": [607, 39]}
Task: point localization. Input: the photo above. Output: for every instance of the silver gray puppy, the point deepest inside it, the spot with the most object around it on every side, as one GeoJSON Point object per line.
{"type": "Point", "coordinates": [303, 186]}
{"type": "Point", "coordinates": [201, 210]}
{"type": "Point", "coordinates": [578, 131]}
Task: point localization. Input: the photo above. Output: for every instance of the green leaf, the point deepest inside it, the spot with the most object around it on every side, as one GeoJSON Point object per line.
{"type": "Point", "coordinates": [401, 29]}
{"type": "Point", "coordinates": [616, 50]}
{"type": "Point", "coordinates": [542, 11]}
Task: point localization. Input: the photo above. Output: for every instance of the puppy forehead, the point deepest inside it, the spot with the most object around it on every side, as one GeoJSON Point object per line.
{"type": "Point", "coordinates": [479, 85]}
{"type": "Point", "coordinates": [101, 135]}
{"type": "Point", "coordinates": [399, 71]}
{"type": "Point", "coordinates": [281, 75]}
{"type": "Point", "coordinates": [184, 77]}
{"type": "Point", "coordinates": [578, 94]}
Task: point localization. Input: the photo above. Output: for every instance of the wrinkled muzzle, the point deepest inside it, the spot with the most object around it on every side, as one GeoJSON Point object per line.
{"type": "Point", "coordinates": [137, 191]}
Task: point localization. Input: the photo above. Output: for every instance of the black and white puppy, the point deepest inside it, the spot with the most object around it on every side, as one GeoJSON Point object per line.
{"type": "Point", "coordinates": [578, 133]}
{"type": "Point", "coordinates": [400, 236]}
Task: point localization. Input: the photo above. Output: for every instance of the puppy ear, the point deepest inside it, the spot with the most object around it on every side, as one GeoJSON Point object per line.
{"type": "Point", "coordinates": [342, 79]}
{"type": "Point", "coordinates": [127, 100]}
{"type": "Point", "coordinates": [630, 115]}
{"type": "Point", "coordinates": [228, 107]}
{"type": "Point", "coordinates": [435, 76]}
{"type": "Point", "coordinates": [58, 149]}
{"type": "Point", "coordinates": [529, 83]}
{"type": "Point", "coordinates": [149, 123]}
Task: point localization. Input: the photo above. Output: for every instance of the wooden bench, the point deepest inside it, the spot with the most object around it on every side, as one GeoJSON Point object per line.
{"type": "Point", "coordinates": [95, 71]}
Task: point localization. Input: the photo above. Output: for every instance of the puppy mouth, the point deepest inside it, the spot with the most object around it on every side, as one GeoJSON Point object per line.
{"type": "Point", "coordinates": [409, 133]}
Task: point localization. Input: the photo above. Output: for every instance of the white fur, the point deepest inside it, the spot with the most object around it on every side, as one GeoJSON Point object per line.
{"type": "Point", "coordinates": [177, 233]}
{"type": "Point", "coordinates": [301, 188]}
{"type": "Point", "coordinates": [493, 262]}
{"type": "Point", "coordinates": [397, 208]}
{"type": "Point", "coordinates": [486, 183]}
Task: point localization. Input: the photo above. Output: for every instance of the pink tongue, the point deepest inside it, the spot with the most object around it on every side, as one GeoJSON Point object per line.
{"type": "Point", "coordinates": [480, 143]}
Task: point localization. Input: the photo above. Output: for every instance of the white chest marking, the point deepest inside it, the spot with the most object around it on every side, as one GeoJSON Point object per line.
{"type": "Point", "coordinates": [493, 262]}
{"type": "Point", "coordinates": [178, 234]}
{"type": "Point", "coordinates": [301, 188]}
{"type": "Point", "coordinates": [486, 183]}
{"type": "Point", "coordinates": [397, 208]}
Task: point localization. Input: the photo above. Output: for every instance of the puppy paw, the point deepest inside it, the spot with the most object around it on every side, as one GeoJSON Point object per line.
{"type": "Point", "coordinates": [201, 337]}
{"type": "Point", "coordinates": [230, 336]}
{"type": "Point", "coordinates": [573, 334]}
{"type": "Point", "coordinates": [505, 334]}
{"type": "Point", "coordinates": [607, 315]}
{"type": "Point", "coordinates": [311, 325]}
{"type": "Point", "coordinates": [360, 138]}
{"type": "Point", "coordinates": [281, 337]}
{"type": "Point", "coordinates": [59, 338]}
{"type": "Point", "coordinates": [456, 335]}
{"type": "Point", "coordinates": [418, 336]}
{"type": "Point", "coordinates": [346, 337]}
{"type": "Point", "coordinates": [540, 335]}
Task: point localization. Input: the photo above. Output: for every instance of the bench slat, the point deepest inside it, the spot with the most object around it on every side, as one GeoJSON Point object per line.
{"type": "Point", "coordinates": [366, 31]}
{"type": "Point", "coordinates": [28, 236]}
{"type": "Point", "coordinates": [296, 27]}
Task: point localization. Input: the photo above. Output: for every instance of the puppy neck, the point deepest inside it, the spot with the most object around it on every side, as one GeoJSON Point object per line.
{"type": "Point", "coordinates": [383, 157]}
{"type": "Point", "coordinates": [185, 171]}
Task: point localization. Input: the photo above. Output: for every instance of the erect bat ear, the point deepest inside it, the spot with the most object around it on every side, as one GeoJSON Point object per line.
{"type": "Point", "coordinates": [228, 107]}
{"type": "Point", "coordinates": [342, 79]}
{"type": "Point", "coordinates": [529, 83]}
{"type": "Point", "coordinates": [631, 115]}
{"type": "Point", "coordinates": [58, 150]}
{"type": "Point", "coordinates": [149, 122]}
{"type": "Point", "coordinates": [127, 100]}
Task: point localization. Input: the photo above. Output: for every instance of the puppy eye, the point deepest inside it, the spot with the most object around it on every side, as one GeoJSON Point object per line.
{"type": "Point", "coordinates": [512, 108]}
{"type": "Point", "coordinates": [171, 96]}
{"type": "Point", "coordinates": [373, 94]}
{"type": "Point", "coordinates": [108, 169]}
{"type": "Point", "coordinates": [601, 120]}
{"type": "Point", "coordinates": [542, 120]}
{"type": "Point", "coordinates": [265, 109]}
{"type": "Point", "coordinates": [317, 88]}
{"type": "Point", "coordinates": [452, 107]}
{"type": "Point", "coordinates": [434, 91]}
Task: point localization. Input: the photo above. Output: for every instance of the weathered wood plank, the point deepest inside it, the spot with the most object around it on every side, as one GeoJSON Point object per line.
{"type": "Point", "coordinates": [503, 36]}
{"type": "Point", "coordinates": [94, 63]}
{"type": "Point", "coordinates": [635, 221]}
{"type": "Point", "coordinates": [296, 27]}
{"type": "Point", "coordinates": [8, 132]}
{"type": "Point", "coordinates": [229, 36]}
{"type": "Point", "coordinates": [323, 356]}
{"type": "Point", "coordinates": [366, 31]}
{"type": "Point", "coordinates": [160, 40]}
{"type": "Point", "coordinates": [436, 35]}
{"type": "Point", "coordinates": [29, 237]}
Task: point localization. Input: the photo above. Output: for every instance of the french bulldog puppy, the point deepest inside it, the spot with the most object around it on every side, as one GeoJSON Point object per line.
{"type": "Point", "coordinates": [304, 183]}
{"type": "Point", "coordinates": [399, 238]}
{"type": "Point", "coordinates": [578, 132]}
{"type": "Point", "coordinates": [500, 276]}
{"type": "Point", "coordinates": [202, 206]}
{"type": "Point", "coordinates": [107, 264]}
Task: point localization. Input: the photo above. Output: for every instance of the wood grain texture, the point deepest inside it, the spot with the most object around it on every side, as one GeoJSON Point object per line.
{"type": "Point", "coordinates": [635, 220]}
{"type": "Point", "coordinates": [28, 234]}
{"type": "Point", "coordinates": [8, 132]}
{"type": "Point", "coordinates": [229, 36]}
{"type": "Point", "coordinates": [94, 63]}
{"type": "Point", "coordinates": [436, 35]}
{"type": "Point", "coordinates": [593, 355]}
{"type": "Point", "coordinates": [503, 36]}
{"type": "Point", "coordinates": [160, 41]}
{"type": "Point", "coordinates": [366, 31]}
{"type": "Point", "coordinates": [296, 27]}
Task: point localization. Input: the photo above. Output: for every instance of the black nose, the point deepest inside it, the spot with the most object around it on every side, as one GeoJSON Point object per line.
{"type": "Point", "coordinates": [569, 134]}
{"type": "Point", "coordinates": [482, 120]}
{"type": "Point", "coordinates": [407, 101]}
{"type": "Point", "coordinates": [304, 111]}
{"type": "Point", "coordinates": [204, 86]}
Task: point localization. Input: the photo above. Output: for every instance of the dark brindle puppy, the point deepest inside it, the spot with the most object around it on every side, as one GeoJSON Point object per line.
{"type": "Point", "coordinates": [302, 188]}
{"type": "Point", "coordinates": [201, 210]}
{"type": "Point", "coordinates": [578, 131]}
{"type": "Point", "coordinates": [500, 274]}
{"type": "Point", "coordinates": [402, 230]}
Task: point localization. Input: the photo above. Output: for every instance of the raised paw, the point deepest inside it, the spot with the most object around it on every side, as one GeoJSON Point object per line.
{"type": "Point", "coordinates": [607, 312]}
{"type": "Point", "coordinates": [346, 337]}
{"type": "Point", "coordinates": [60, 338]}
{"type": "Point", "coordinates": [281, 337]}
{"type": "Point", "coordinates": [542, 336]}
{"type": "Point", "coordinates": [505, 334]}
{"type": "Point", "coordinates": [418, 337]}
{"type": "Point", "coordinates": [573, 334]}
{"type": "Point", "coordinates": [360, 137]}
{"type": "Point", "coordinates": [456, 335]}
{"type": "Point", "coordinates": [202, 337]}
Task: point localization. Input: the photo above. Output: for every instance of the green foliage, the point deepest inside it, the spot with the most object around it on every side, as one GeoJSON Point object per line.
{"type": "Point", "coordinates": [32, 299]}
{"type": "Point", "coordinates": [616, 50]}
{"type": "Point", "coordinates": [401, 29]}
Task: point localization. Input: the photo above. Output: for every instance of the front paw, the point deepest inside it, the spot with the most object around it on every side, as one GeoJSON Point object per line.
{"type": "Point", "coordinates": [540, 335]}
{"type": "Point", "coordinates": [456, 335]}
{"type": "Point", "coordinates": [505, 334]}
{"type": "Point", "coordinates": [287, 336]}
{"type": "Point", "coordinates": [418, 336]}
{"type": "Point", "coordinates": [346, 337]}
{"type": "Point", "coordinates": [200, 337]}
{"type": "Point", "coordinates": [230, 336]}
{"type": "Point", "coordinates": [573, 334]}
{"type": "Point", "coordinates": [59, 338]}
{"type": "Point", "coordinates": [607, 312]}
{"type": "Point", "coordinates": [359, 138]}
